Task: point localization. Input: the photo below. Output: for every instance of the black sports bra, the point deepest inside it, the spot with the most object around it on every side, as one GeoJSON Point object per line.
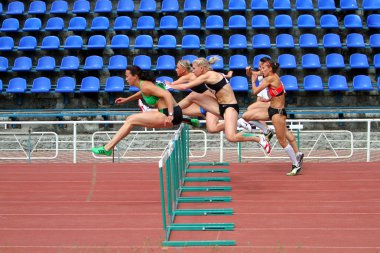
{"type": "Point", "coordinates": [200, 88]}
{"type": "Point", "coordinates": [219, 85]}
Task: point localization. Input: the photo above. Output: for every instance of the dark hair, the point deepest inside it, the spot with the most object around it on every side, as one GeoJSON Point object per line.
{"type": "Point", "coordinates": [275, 65]}
{"type": "Point", "coordinates": [143, 75]}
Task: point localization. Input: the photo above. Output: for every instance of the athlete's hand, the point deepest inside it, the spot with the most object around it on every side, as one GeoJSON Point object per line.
{"type": "Point", "coordinates": [248, 70]}
{"type": "Point", "coordinates": [120, 100]}
{"type": "Point", "coordinates": [169, 119]}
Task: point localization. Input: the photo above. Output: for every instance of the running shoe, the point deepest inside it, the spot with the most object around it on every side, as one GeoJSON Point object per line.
{"type": "Point", "coordinates": [294, 171]}
{"type": "Point", "coordinates": [101, 151]}
{"type": "Point", "coordinates": [269, 135]}
{"type": "Point", "coordinates": [299, 157]}
{"type": "Point", "coordinates": [243, 126]}
{"type": "Point", "coordinates": [143, 107]}
{"type": "Point", "coordinates": [266, 145]}
{"type": "Point", "coordinates": [191, 121]}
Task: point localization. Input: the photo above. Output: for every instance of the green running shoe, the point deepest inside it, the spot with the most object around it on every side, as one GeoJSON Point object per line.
{"type": "Point", "coordinates": [101, 151]}
{"type": "Point", "coordinates": [195, 122]}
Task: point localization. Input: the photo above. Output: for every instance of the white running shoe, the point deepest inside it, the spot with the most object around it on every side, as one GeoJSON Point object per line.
{"type": "Point", "coordinates": [265, 144]}
{"type": "Point", "coordinates": [243, 126]}
{"type": "Point", "coordinates": [143, 107]}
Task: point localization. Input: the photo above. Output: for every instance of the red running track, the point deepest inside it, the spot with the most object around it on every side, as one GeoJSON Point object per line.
{"type": "Point", "coordinates": [116, 208]}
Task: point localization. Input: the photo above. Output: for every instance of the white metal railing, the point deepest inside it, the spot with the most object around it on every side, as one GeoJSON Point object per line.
{"type": "Point", "coordinates": [31, 151]}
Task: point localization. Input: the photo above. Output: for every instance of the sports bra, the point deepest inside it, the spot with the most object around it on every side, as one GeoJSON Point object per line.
{"type": "Point", "coordinates": [200, 88]}
{"type": "Point", "coordinates": [219, 85]}
{"type": "Point", "coordinates": [275, 92]}
{"type": "Point", "coordinates": [152, 100]}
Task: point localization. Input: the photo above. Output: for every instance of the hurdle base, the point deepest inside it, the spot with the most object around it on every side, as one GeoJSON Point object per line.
{"type": "Point", "coordinates": [209, 163]}
{"type": "Point", "coordinates": [198, 243]}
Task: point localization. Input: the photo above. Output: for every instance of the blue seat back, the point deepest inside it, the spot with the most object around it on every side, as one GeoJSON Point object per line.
{"type": "Point", "coordinates": [237, 22]}
{"type": "Point", "coordinates": [55, 24]}
{"type": "Point", "coordinates": [16, 85]}
{"type": "Point", "coordinates": [284, 40]}
{"type": "Point", "coordinates": [238, 61]}
{"type": "Point", "coordinates": [237, 41]}
{"type": "Point", "coordinates": [73, 42]}
{"type": "Point", "coordinates": [167, 41]}
{"type": "Point", "coordinates": [96, 42]}
{"type": "Point", "coordinates": [143, 61]}
{"type": "Point", "coordinates": [261, 41]}
{"type": "Point", "coordinates": [69, 63]}
{"type": "Point", "coordinates": [359, 61]}
{"type": "Point", "coordinates": [144, 41]}
{"type": "Point", "coordinates": [10, 25]}
{"type": "Point", "coordinates": [15, 8]}
{"type": "Point", "coordinates": [120, 41]}
{"type": "Point", "coordinates": [81, 7]}
{"type": "Point", "coordinates": [331, 40]}
{"type": "Point", "coordinates": [103, 6]}
{"type": "Point", "coordinates": [65, 84]}
{"type": "Point", "coordinates": [3, 64]}
{"type": "Point", "coordinates": [192, 5]}
{"type": "Point", "coordinates": [122, 23]}
{"type": "Point", "coordinates": [46, 63]}
{"type": "Point", "coordinates": [214, 41]}
{"type": "Point", "coordinates": [362, 83]}
{"type": "Point", "coordinates": [306, 21]}
{"type": "Point", "coordinates": [90, 84]}
{"type": "Point", "coordinates": [191, 22]}
{"type": "Point", "coordinates": [259, 5]}
{"type": "Point", "coordinates": [117, 62]}
{"type": "Point", "coordinates": [93, 62]}
{"type": "Point", "coordinates": [77, 24]}
{"type": "Point", "coordinates": [337, 83]}
{"type": "Point", "coordinates": [170, 6]}
{"type": "Point", "coordinates": [260, 22]}
{"type": "Point", "coordinates": [290, 82]}
{"type": "Point", "coordinates": [373, 21]}
{"type": "Point", "coordinates": [50, 43]}
{"type": "Point", "coordinates": [287, 61]}
{"type": "Point", "coordinates": [283, 21]}
{"type": "Point", "coordinates": [239, 83]}
{"type": "Point", "coordinates": [334, 60]}
{"type": "Point", "coordinates": [190, 41]}
{"type": "Point", "coordinates": [326, 5]}
{"type": "Point", "coordinates": [214, 5]}
{"type": "Point", "coordinates": [147, 6]}
{"type": "Point", "coordinates": [219, 64]}
{"type": "Point", "coordinates": [312, 83]}
{"type": "Point", "coordinates": [27, 43]}
{"type": "Point", "coordinates": [145, 23]}
{"type": "Point", "coordinates": [32, 24]}
{"type": "Point", "coordinates": [168, 23]}
{"type": "Point", "coordinates": [41, 84]}
{"type": "Point", "coordinates": [352, 21]}
{"type": "Point", "coordinates": [125, 6]}
{"type": "Point", "coordinates": [37, 7]}
{"type": "Point", "coordinates": [214, 22]}
{"type": "Point", "coordinates": [59, 7]}
{"type": "Point", "coordinates": [114, 84]}
{"type": "Point", "coordinates": [355, 40]}
{"type": "Point", "coordinates": [100, 24]}
{"type": "Point", "coordinates": [281, 5]}
{"type": "Point", "coordinates": [308, 40]}
{"type": "Point", "coordinates": [329, 21]}
{"type": "Point", "coordinates": [6, 43]}
{"type": "Point", "coordinates": [304, 5]}
{"type": "Point", "coordinates": [348, 5]}
{"type": "Point", "coordinates": [311, 61]}
{"type": "Point", "coordinates": [165, 62]}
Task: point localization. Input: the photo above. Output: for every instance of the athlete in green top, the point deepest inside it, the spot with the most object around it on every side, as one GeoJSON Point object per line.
{"type": "Point", "coordinates": [168, 114]}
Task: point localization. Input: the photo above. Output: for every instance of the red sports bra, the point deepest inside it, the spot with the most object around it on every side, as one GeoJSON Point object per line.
{"type": "Point", "coordinates": [275, 92]}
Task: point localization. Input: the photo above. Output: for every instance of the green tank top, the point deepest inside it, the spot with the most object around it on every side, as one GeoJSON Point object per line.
{"type": "Point", "coordinates": [152, 100]}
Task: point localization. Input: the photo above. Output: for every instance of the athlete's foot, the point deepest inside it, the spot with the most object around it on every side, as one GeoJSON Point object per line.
{"type": "Point", "coordinates": [265, 144]}
{"type": "Point", "coordinates": [243, 126]}
{"type": "Point", "coordinates": [299, 157]}
{"type": "Point", "coordinates": [294, 171]}
{"type": "Point", "coordinates": [101, 151]}
{"type": "Point", "coordinates": [143, 107]}
{"type": "Point", "coordinates": [269, 135]}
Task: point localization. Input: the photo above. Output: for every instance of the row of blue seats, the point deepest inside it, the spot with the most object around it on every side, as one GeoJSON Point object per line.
{"type": "Point", "coordinates": [167, 62]}
{"type": "Point", "coordinates": [239, 84]}
{"type": "Point", "coordinates": [105, 6]}
{"type": "Point", "coordinates": [190, 41]}
{"type": "Point", "coordinates": [191, 22]}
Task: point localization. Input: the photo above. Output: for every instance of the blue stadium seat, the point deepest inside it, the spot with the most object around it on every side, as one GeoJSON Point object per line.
{"type": "Point", "coordinates": [3, 64]}
{"type": "Point", "coordinates": [1, 12]}
{"type": "Point", "coordinates": [90, 84]}
{"type": "Point", "coordinates": [46, 63]}
{"type": "Point", "coordinates": [117, 62]}
{"type": "Point", "coordinates": [65, 84]}
{"type": "Point", "coordinates": [237, 5]}
{"type": "Point", "coordinates": [122, 23]}
{"type": "Point", "coordinates": [304, 5]}
{"type": "Point", "coordinates": [41, 85]}
{"type": "Point", "coordinates": [376, 61]}
{"type": "Point", "coordinates": [362, 83]}
{"type": "Point", "coordinates": [167, 42]}
{"type": "Point", "coordinates": [37, 7]}
{"type": "Point", "coordinates": [16, 85]}
{"type": "Point", "coordinates": [1, 82]}
{"type": "Point", "coordinates": [373, 21]}
{"type": "Point", "coordinates": [374, 40]}
{"type": "Point", "coordinates": [143, 61]}
{"type": "Point", "coordinates": [147, 6]}
{"type": "Point", "coordinates": [100, 24]}
{"type": "Point", "coordinates": [120, 41]}
{"type": "Point", "coordinates": [284, 40]}
{"type": "Point", "coordinates": [334, 61]}
{"type": "Point", "coordinates": [214, 5]}
{"type": "Point", "coordinates": [352, 21]}
{"type": "Point", "coordinates": [371, 5]}
{"type": "Point", "coordinates": [287, 61]}
{"type": "Point", "coordinates": [326, 5]}
{"type": "Point", "coordinates": [73, 42]}
{"type": "Point", "coordinates": [192, 5]}
{"type": "Point", "coordinates": [283, 21]}
{"type": "Point", "coordinates": [77, 24]}
{"type": "Point", "coordinates": [355, 40]}
{"type": "Point", "coordinates": [331, 40]}
{"type": "Point", "coordinates": [6, 43]}
{"type": "Point", "coordinates": [191, 41]}
{"type": "Point", "coordinates": [69, 63]}
{"type": "Point", "coordinates": [125, 6]}
{"type": "Point", "coordinates": [311, 61]}
{"type": "Point", "coordinates": [312, 83]}
{"type": "Point", "coordinates": [93, 62]}
{"type": "Point", "coordinates": [219, 64]}
{"type": "Point", "coordinates": [81, 7]}
{"type": "Point", "coordinates": [337, 83]}
{"type": "Point", "coordinates": [239, 83]}
{"type": "Point", "coordinates": [27, 43]}
{"type": "Point", "coordinates": [15, 8]}
{"type": "Point", "coordinates": [308, 40]}
{"type": "Point", "coordinates": [238, 61]}
{"type": "Point", "coordinates": [306, 21]}
{"type": "Point", "coordinates": [165, 62]}
{"type": "Point", "coordinates": [329, 21]}
{"type": "Point", "coordinates": [237, 22]}
{"type": "Point", "coordinates": [259, 5]}
{"type": "Point", "coordinates": [170, 6]}
{"type": "Point", "coordinates": [96, 42]}
{"type": "Point", "coordinates": [59, 7]}
{"type": "Point", "coordinates": [260, 22]}
{"type": "Point", "coordinates": [144, 41]}
{"type": "Point", "coordinates": [32, 25]}
{"type": "Point", "coordinates": [191, 22]}
{"type": "Point", "coordinates": [145, 23]}
{"type": "Point", "coordinates": [114, 84]}
{"type": "Point", "coordinates": [10, 25]}
{"type": "Point", "coordinates": [261, 41]}
{"type": "Point", "coordinates": [237, 41]}
{"type": "Point", "coordinates": [162, 79]}
{"type": "Point", "coordinates": [282, 5]}
{"type": "Point", "coordinates": [359, 61]}
{"type": "Point", "coordinates": [189, 57]}
{"type": "Point", "coordinates": [348, 5]}
{"type": "Point", "coordinates": [168, 23]}
{"type": "Point", "coordinates": [55, 24]}
{"type": "Point", "coordinates": [290, 82]}
{"type": "Point", "coordinates": [257, 59]}
{"type": "Point", "coordinates": [214, 22]}
{"type": "Point", "coordinates": [214, 41]}
{"type": "Point", "coordinates": [103, 6]}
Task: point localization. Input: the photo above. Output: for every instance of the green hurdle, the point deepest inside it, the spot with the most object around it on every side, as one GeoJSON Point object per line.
{"type": "Point", "coordinates": [173, 168]}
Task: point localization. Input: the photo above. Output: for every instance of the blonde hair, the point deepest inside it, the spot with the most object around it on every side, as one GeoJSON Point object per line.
{"type": "Point", "coordinates": [203, 62]}
{"type": "Point", "coordinates": [185, 64]}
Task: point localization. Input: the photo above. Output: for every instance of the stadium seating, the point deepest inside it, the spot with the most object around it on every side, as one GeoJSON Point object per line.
{"type": "Point", "coordinates": [46, 63]}
{"type": "Point", "coordinates": [6, 43]}
{"type": "Point", "coordinates": [308, 40]}
{"type": "Point", "coordinates": [326, 5]}
{"type": "Point", "coordinates": [237, 41]}
{"type": "Point", "coordinates": [355, 40]}
{"type": "Point", "coordinates": [59, 7]}
{"type": "Point", "coordinates": [214, 5]}
{"type": "Point", "coordinates": [214, 41]}
{"type": "Point", "coordinates": [103, 6]}
{"type": "Point", "coordinates": [259, 5]}
{"type": "Point", "coordinates": [261, 41]}
{"type": "Point", "coordinates": [192, 6]}
{"type": "Point", "coordinates": [10, 25]}
{"type": "Point", "coordinates": [282, 5]}
{"type": "Point", "coordinates": [374, 40]}
{"type": "Point", "coordinates": [50, 43]}
{"type": "Point", "coordinates": [306, 21]}
{"type": "Point", "coordinates": [214, 22]}
{"type": "Point", "coordinates": [238, 61]}
{"type": "Point", "coordinates": [15, 8]}
{"type": "Point", "coordinates": [287, 61]}
{"type": "Point", "coordinates": [290, 82]}
{"type": "Point", "coordinates": [376, 61]}
{"type": "Point", "coordinates": [16, 85]}
{"type": "Point", "coordinates": [237, 22]}
{"type": "Point", "coordinates": [237, 5]}
{"type": "Point", "coordinates": [32, 25]}
{"type": "Point", "coordinates": [353, 21]}
{"type": "Point", "coordinates": [334, 60]}
{"type": "Point", "coordinates": [283, 21]}
{"type": "Point", "coordinates": [93, 62]}
{"type": "Point", "coordinates": [311, 61]}
{"type": "Point", "coordinates": [371, 5]}
{"type": "Point", "coordinates": [239, 83]}
{"type": "Point", "coordinates": [90, 84]}
{"type": "Point", "coordinates": [284, 40]}
{"type": "Point", "coordinates": [120, 41]}
{"type": "Point", "coordinates": [189, 57]}
{"type": "Point", "coordinates": [260, 22]}
{"type": "Point", "coordinates": [41, 85]}
{"type": "Point", "coordinates": [373, 21]}
{"type": "Point", "coordinates": [147, 6]}
{"type": "Point", "coordinates": [69, 63]}
{"type": "Point", "coordinates": [143, 61]}
{"type": "Point", "coordinates": [117, 62]}
{"type": "Point", "coordinates": [312, 83]}
{"type": "Point", "coordinates": [348, 5]}
{"type": "Point", "coordinates": [362, 83]}
{"type": "Point", "coordinates": [337, 83]}
{"type": "Point", "coordinates": [329, 21]}
{"type": "Point", "coordinates": [168, 23]}
{"type": "Point", "coordinates": [191, 22]}
{"type": "Point", "coordinates": [73, 42]}
{"type": "Point", "coordinates": [37, 7]}
{"type": "Point", "coordinates": [304, 5]}
{"type": "Point", "coordinates": [331, 40]}
{"type": "Point", "coordinates": [144, 41]}
{"type": "Point", "coordinates": [100, 24]}
{"type": "Point", "coordinates": [219, 64]}
{"type": "Point", "coordinates": [81, 7]}
{"type": "Point", "coordinates": [122, 23]}
{"type": "Point", "coordinates": [125, 6]}
{"type": "Point", "coordinates": [114, 84]}
{"type": "Point", "coordinates": [65, 84]}
{"type": "Point", "coordinates": [55, 24]}
{"type": "Point", "coordinates": [3, 64]}
{"type": "Point", "coordinates": [27, 43]}
{"type": "Point", "coordinates": [167, 42]}
{"type": "Point", "coordinates": [359, 61]}
{"type": "Point", "coordinates": [191, 41]}
{"type": "Point", "coordinates": [145, 23]}
{"type": "Point", "coordinates": [165, 62]}
{"type": "Point", "coordinates": [170, 6]}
